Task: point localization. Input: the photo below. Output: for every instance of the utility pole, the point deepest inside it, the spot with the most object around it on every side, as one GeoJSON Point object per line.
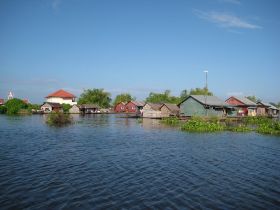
{"type": "Point", "coordinates": [205, 93]}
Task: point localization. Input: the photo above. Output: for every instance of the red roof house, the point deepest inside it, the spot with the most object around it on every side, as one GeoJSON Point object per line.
{"type": "Point", "coordinates": [134, 106]}
{"type": "Point", "coordinates": [61, 97]}
{"type": "Point", "coordinates": [2, 101]}
{"type": "Point", "coordinates": [120, 107]}
{"type": "Point", "coordinates": [61, 94]}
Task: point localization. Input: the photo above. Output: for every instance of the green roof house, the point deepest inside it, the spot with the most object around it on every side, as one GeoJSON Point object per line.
{"type": "Point", "coordinates": [200, 105]}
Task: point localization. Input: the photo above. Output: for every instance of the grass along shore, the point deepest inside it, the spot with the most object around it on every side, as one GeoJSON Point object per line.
{"type": "Point", "coordinates": [261, 125]}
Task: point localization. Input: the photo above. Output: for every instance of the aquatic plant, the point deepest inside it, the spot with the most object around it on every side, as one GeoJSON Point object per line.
{"type": "Point", "coordinates": [196, 124]}
{"type": "Point", "coordinates": [239, 128]}
{"type": "Point", "coordinates": [272, 128]}
{"type": "Point", "coordinates": [171, 120]}
{"type": "Point", "coordinates": [58, 119]}
{"type": "Point", "coordinates": [256, 120]}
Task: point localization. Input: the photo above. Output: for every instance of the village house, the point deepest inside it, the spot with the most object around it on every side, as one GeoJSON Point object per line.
{"type": "Point", "coordinates": [243, 105]}
{"type": "Point", "coordinates": [169, 110]}
{"type": "Point", "coordinates": [2, 101]}
{"type": "Point", "coordinates": [61, 97]}
{"type": "Point", "coordinates": [48, 107]}
{"type": "Point", "coordinates": [200, 105]}
{"type": "Point", "coordinates": [75, 109]}
{"type": "Point", "coordinates": [134, 106]}
{"type": "Point", "coordinates": [89, 108]}
{"type": "Point", "coordinates": [151, 110]}
{"type": "Point", "coordinates": [120, 107]}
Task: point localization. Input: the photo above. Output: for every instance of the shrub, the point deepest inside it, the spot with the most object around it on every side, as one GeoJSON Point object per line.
{"type": "Point", "coordinates": [269, 128]}
{"type": "Point", "coordinates": [66, 107]}
{"type": "Point", "coordinates": [3, 109]}
{"type": "Point", "coordinates": [58, 119]}
{"type": "Point", "coordinates": [239, 128]}
{"type": "Point", "coordinates": [199, 125]}
{"type": "Point", "coordinates": [14, 106]}
{"type": "Point", "coordinates": [171, 120]}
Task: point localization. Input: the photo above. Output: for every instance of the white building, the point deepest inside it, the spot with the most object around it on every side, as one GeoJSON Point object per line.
{"type": "Point", "coordinates": [61, 97]}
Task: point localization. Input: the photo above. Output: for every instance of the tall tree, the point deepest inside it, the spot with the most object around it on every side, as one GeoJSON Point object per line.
{"type": "Point", "coordinates": [164, 97]}
{"type": "Point", "coordinates": [200, 91]}
{"type": "Point", "coordinates": [95, 96]}
{"type": "Point", "coordinates": [123, 97]}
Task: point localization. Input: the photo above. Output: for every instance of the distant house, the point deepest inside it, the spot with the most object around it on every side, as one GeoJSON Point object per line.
{"type": "Point", "coordinates": [134, 106]}
{"type": "Point", "coordinates": [89, 108]}
{"type": "Point", "coordinates": [168, 110]}
{"type": "Point", "coordinates": [26, 101]}
{"type": "Point", "coordinates": [61, 97]}
{"type": "Point", "coordinates": [120, 107]}
{"type": "Point", "coordinates": [151, 110]}
{"type": "Point", "coordinates": [200, 105]}
{"type": "Point", "coordinates": [48, 107]}
{"type": "Point", "coordinates": [2, 101]}
{"type": "Point", "coordinates": [244, 106]}
{"type": "Point", "coordinates": [266, 109]}
{"type": "Point", "coordinates": [75, 109]}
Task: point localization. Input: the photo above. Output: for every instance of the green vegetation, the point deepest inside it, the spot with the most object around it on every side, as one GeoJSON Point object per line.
{"type": "Point", "coordinates": [253, 98]}
{"type": "Point", "coordinates": [272, 128]}
{"type": "Point", "coordinates": [196, 124]}
{"type": "Point", "coordinates": [59, 119]}
{"type": "Point", "coordinates": [124, 97]}
{"type": "Point", "coordinates": [171, 120]}
{"type": "Point", "coordinates": [256, 120]}
{"type": "Point", "coordinates": [95, 96]}
{"type": "Point", "coordinates": [162, 98]}
{"type": "Point", "coordinates": [14, 106]}
{"type": "Point", "coordinates": [238, 128]}
{"type": "Point", "coordinates": [3, 109]}
{"type": "Point", "coordinates": [66, 107]}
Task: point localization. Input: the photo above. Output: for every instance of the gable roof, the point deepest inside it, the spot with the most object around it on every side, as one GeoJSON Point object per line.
{"type": "Point", "coordinates": [53, 105]}
{"type": "Point", "coordinates": [61, 94]}
{"type": "Point", "coordinates": [268, 105]}
{"type": "Point", "coordinates": [171, 107]}
{"type": "Point", "coordinates": [244, 100]}
{"type": "Point", "coordinates": [154, 106]}
{"type": "Point", "coordinates": [208, 100]}
{"type": "Point", "coordinates": [138, 103]}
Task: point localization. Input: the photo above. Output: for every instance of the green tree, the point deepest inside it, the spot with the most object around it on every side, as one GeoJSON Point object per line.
{"type": "Point", "coordinates": [184, 94]}
{"type": "Point", "coordinates": [162, 98]}
{"type": "Point", "coordinates": [200, 91]}
{"type": "Point", "coordinates": [3, 109]}
{"type": "Point", "coordinates": [15, 105]}
{"type": "Point", "coordinates": [66, 107]}
{"type": "Point", "coordinates": [123, 97]}
{"type": "Point", "coordinates": [95, 96]}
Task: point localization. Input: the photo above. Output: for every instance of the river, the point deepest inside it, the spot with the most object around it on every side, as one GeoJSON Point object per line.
{"type": "Point", "coordinates": [107, 162]}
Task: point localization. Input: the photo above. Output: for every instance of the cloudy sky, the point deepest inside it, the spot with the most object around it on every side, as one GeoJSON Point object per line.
{"type": "Point", "coordinates": [138, 46]}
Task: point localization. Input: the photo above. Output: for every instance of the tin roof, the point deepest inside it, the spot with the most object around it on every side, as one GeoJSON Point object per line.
{"type": "Point", "coordinates": [208, 100]}
{"type": "Point", "coordinates": [138, 103]}
{"type": "Point", "coordinates": [155, 106]}
{"type": "Point", "coordinates": [61, 94]}
{"type": "Point", "coordinates": [245, 101]}
{"type": "Point", "coordinates": [171, 107]}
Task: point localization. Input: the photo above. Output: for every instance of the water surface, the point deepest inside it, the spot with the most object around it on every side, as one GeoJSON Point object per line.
{"type": "Point", "coordinates": [107, 162]}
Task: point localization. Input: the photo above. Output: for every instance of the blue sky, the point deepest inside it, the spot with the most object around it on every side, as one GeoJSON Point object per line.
{"type": "Point", "coordinates": [139, 46]}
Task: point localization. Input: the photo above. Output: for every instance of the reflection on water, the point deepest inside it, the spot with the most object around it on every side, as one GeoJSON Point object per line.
{"type": "Point", "coordinates": [109, 162]}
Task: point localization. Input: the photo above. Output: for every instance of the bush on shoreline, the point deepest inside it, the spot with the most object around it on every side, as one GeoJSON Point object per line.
{"type": "Point", "coordinates": [58, 119]}
{"type": "Point", "coordinates": [196, 124]}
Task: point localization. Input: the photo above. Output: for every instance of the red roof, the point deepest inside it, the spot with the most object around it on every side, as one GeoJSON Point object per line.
{"type": "Point", "coordinates": [61, 94]}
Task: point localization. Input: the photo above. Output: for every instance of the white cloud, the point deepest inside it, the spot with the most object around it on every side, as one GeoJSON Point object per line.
{"type": "Point", "coordinates": [225, 20]}
{"type": "Point", "coordinates": [231, 1]}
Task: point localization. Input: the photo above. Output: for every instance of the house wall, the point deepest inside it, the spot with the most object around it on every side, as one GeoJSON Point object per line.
{"type": "Point", "coordinates": [46, 108]}
{"type": "Point", "coordinates": [131, 108]}
{"type": "Point", "coordinates": [119, 107]}
{"type": "Point", "coordinates": [148, 112]}
{"type": "Point", "coordinates": [191, 107]}
{"type": "Point", "coordinates": [165, 112]}
{"type": "Point", "coordinates": [262, 111]}
{"type": "Point", "coordinates": [233, 101]}
{"type": "Point", "coordinates": [61, 100]}
{"type": "Point", "coordinates": [74, 110]}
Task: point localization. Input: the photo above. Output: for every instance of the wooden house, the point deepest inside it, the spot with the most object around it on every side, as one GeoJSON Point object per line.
{"type": "Point", "coordinates": [120, 107]}
{"type": "Point", "coordinates": [61, 97]}
{"type": "Point", "coordinates": [48, 107]}
{"type": "Point", "coordinates": [244, 106]}
{"type": "Point", "coordinates": [75, 109]}
{"type": "Point", "coordinates": [134, 106]}
{"type": "Point", "coordinates": [89, 108]}
{"type": "Point", "coordinates": [266, 109]}
{"type": "Point", "coordinates": [200, 105]}
{"type": "Point", "coordinates": [151, 110]}
{"type": "Point", "coordinates": [168, 110]}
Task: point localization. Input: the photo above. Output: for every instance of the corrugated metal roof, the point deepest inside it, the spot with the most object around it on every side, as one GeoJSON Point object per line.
{"type": "Point", "coordinates": [155, 106]}
{"type": "Point", "coordinates": [171, 107]}
{"type": "Point", "coordinates": [245, 101]}
{"type": "Point", "coordinates": [138, 103]}
{"type": "Point", "coordinates": [210, 100]}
